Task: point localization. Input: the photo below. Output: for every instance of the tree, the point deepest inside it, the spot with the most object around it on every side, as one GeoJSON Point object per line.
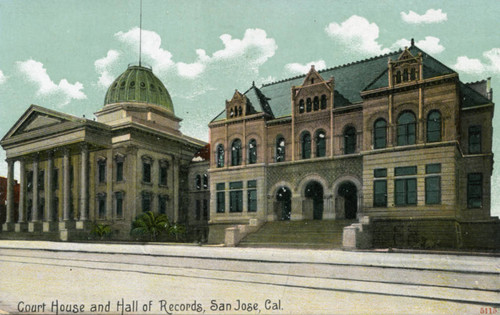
{"type": "Point", "coordinates": [150, 224]}
{"type": "Point", "coordinates": [101, 230]}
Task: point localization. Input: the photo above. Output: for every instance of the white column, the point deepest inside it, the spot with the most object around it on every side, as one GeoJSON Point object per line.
{"type": "Point", "coordinates": [34, 211]}
{"type": "Point", "coordinates": [49, 193]}
{"type": "Point", "coordinates": [66, 185]}
{"type": "Point", "coordinates": [22, 191]}
{"type": "Point", "coordinates": [84, 188]}
{"type": "Point", "coordinates": [10, 191]}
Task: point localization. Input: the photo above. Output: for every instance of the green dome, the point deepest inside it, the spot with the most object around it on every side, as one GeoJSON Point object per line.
{"type": "Point", "coordinates": [139, 85]}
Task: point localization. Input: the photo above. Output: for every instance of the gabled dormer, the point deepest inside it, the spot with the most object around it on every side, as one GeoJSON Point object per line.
{"type": "Point", "coordinates": [315, 93]}
{"type": "Point", "coordinates": [407, 68]}
{"type": "Point", "coordinates": [237, 106]}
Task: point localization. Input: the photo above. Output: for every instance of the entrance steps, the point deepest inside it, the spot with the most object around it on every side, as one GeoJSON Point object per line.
{"type": "Point", "coordinates": [314, 234]}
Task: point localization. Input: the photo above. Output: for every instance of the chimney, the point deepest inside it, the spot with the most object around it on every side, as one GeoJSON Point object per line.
{"type": "Point", "coordinates": [412, 42]}
{"type": "Point", "coordinates": [489, 90]}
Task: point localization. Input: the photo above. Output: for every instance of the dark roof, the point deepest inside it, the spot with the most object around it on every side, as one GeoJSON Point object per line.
{"type": "Point", "coordinates": [351, 79]}
{"type": "Point", "coordinates": [471, 97]}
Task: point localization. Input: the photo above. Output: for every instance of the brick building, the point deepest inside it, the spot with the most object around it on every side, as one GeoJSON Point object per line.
{"type": "Point", "coordinates": [397, 141]}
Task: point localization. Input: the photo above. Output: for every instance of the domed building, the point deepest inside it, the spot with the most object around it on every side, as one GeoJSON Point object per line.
{"type": "Point", "coordinates": [77, 172]}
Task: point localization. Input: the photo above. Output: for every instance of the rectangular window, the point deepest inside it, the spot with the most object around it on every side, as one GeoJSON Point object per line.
{"type": "Point", "coordinates": [29, 180]}
{"type": "Point", "coordinates": [163, 173]}
{"type": "Point", "coordinates": [221, 202]}
{"type": "Point", "coordinates": [71, 176]}
{"type": "Point", "coordinates": [55, 179]}
{"type": "Point", "coordinates": [119, 171]}
{"type": "Point", "coordinates": [475, 190]}
{"type": "Point", "coordinates": [205, 209]}
{"type": "Point", "coordinates": [252, 184]}
{"type": "Point", "coordinates": [198, 210]}
{"type": "Point", "coordinates": [146, 201]}
{"type": "Point", "coordinates": [220, 186]}
{"type": "Point", "coordinates": [236, 185]}
{"type": "Point", "coordinates": [101, 165]}
{"type": "Point", "coordinates": [119, 204]}
{"type": "Point", "coordinates": [475, 139]}
{"type": "Point", "coordinates": [162, 204]}
{"type": "Point", "coordinates": [55, 209]}
{"type": "Point", "coordinates": [433, 168]}
{"type": "Point", "coordinates": [380, 193]}
{"type": "Point", "coordinates": [146, 172]}
{"type": "Point", "coordinates": [405, 192]}
{"type": "Point", "coordinates": [101, 206]}
{"type": "Point", "coordinates": [380, 172]}
{"type": "Point", "coordinates": [252, 200]}
{"type": "Point", "coordinates": [236, 201]}
{"type": "Point", "coordinates": [433, 190]}
{"type": "Point", "coordinates": [407, 170]}
{"type": "Point", "coordinates": [41, 181]}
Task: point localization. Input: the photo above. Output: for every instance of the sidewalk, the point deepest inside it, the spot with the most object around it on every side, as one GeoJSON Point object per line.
{"type": "Point", "coordinates": [419, 261]}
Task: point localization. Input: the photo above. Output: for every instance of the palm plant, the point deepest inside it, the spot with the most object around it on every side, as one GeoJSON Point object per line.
{"type": "Point", "coordinates": [101, 230]}
{"type": "Point", "coordinates": [150, 224]}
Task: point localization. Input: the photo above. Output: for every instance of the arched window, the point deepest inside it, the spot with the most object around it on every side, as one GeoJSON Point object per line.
{"type": "Point", "coordinates": [380, 134]}
{"type": "Point", "coordinates": [220, 156]}
{"type": "Point", "coordinates": [236, 152]}
{"type": "Point", "coordinates": [301, 106]}
{"type": "Point", "coordinates": [240, 111]}
{"type": "Point", "coordinates": [406, 128]}
{"type": "Point", "coordinates": [320, 140]}
{"type": "Point", "coordinates": [205, 181]}
{"type": "Point", "coordinates": [405, 75]}
{"type": "Point", "coordinates": [413, 75]}
{"type": "Point", "coordinates": [308, 105]}
{"type": "Point", "coordinates": [306, 145]}
{"type": "Point", "coordinates": [280, 149]}
{"type": "Point", "coordinates": [198, 182]}
{"type": "Point", "coordinates": [398, 76]}
{"type": "Point", "coordinates": [316, 103]}
{"type": "Point", "coordinates": [323, 101]}
{"type": "Point", "coordinates": [349, 140]}
{"type": "Point", "coordinates": [252, 151]}
{"type": "Point", "coordinates": [231, 113]}
{"type": "Point", "coordinates": [434, 126]}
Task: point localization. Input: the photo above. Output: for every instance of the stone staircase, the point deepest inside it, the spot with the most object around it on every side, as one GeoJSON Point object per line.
{"type": "Point", "coordinates": [314, 234]}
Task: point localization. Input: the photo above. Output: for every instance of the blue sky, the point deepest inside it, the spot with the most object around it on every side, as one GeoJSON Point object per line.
{"type": "Point", "coordinates": [63, 54]}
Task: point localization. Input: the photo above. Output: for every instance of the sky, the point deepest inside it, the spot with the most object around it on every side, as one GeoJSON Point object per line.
{"type": "Point", "coordinates": [64, 54]}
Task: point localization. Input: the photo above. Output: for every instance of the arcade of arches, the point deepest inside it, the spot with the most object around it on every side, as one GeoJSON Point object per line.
{"type": "Point", "coordinates": [314, 202]}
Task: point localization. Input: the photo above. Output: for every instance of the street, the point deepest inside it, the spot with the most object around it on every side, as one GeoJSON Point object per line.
{"type": "Point", "coordinates": [63, 278]}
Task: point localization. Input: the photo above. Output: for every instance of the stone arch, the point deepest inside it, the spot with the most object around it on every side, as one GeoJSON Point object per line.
{"type": "Point", "coordinates": [280, 209]}
{"type": "Point", "coordinates": [339, 211]}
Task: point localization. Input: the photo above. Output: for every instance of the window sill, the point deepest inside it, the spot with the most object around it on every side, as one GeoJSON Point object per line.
{"type": "Point", "coordinates": [147, 183]}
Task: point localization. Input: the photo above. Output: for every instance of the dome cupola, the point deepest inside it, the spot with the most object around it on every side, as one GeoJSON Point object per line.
{"type": "Point", "coordinates": [138, 84]}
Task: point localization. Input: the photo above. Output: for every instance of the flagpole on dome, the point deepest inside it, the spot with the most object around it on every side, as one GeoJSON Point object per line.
{"type": "Point", "coordinates": [140, 35]}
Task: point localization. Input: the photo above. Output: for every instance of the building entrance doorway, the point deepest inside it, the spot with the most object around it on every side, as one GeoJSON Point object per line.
{"type": "Point", "coordinates": [349, 194]}
{"type": "Point", "coordinates": [314, 191]}
{"type": "Point", "coordinates": [284, 199]}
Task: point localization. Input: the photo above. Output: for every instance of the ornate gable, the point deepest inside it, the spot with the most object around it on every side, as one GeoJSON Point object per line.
{"type": "Point", "coordinates": [237, 106]}
{"type": "Point", "coordinates": [314, 94]}
{"type": "Point", "coordinates": [406, 68]}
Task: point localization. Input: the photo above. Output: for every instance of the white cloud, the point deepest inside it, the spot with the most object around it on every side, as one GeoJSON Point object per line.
{"type": "Point", "coordinates": [430, 44]}
{"type": "Point", "coordinates": [358, 34]}
{"type": "Point", "coordinates": [3, 78]}
{"type": "Point", "coordinates": [476, 66]}
{"type": "Point", "coordinates": [103, 67]}
{"type": "Point", "coordinates": [431, 16]}
{"type": "Point", "coordinates": [250, 52]}
{"type": "Point", "coordinates": [297, 68]}
{"type": "Point", "coordinates": [35, 72]}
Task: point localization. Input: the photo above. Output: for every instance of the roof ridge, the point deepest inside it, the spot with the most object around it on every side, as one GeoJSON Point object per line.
{"type": "Point", "coordinates": [337, 67]}
{"type": "Point", "coordinates": [475, 82]}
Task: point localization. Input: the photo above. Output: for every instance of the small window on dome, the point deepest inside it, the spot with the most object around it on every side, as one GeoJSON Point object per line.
{"type": "Point", "coordinates": [132, 84]}
{"type": "Point", "coordinates": [116, 84]}
{"type": "Point", "coordinates": [143, 84]}
{"type": "Point", "coordinates": [122, 84]}
{"type": "Point", "coordinates": [159, 89]}
{"type": "Point", "coordinates": [151, 86]}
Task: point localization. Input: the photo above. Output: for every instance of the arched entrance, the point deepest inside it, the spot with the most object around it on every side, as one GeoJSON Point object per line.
{"type": "Point", "coordinates": [284, 199]}
{"type": "Point", "coordinates": [349, 197]}
{"type": "Point", "coordinates": [314, 191]}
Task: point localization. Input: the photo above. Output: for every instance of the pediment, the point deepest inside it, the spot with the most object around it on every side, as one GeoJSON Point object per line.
{"type": "Point", "coordinates": [36, 119]}
{"type": "Point", "coordinates": [312, 77]}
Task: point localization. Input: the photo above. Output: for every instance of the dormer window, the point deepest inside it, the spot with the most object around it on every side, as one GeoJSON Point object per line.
{"type": "Point", "coordinates": [406, 68]}
{"type": "Point", "coordinates": [301, 106]}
